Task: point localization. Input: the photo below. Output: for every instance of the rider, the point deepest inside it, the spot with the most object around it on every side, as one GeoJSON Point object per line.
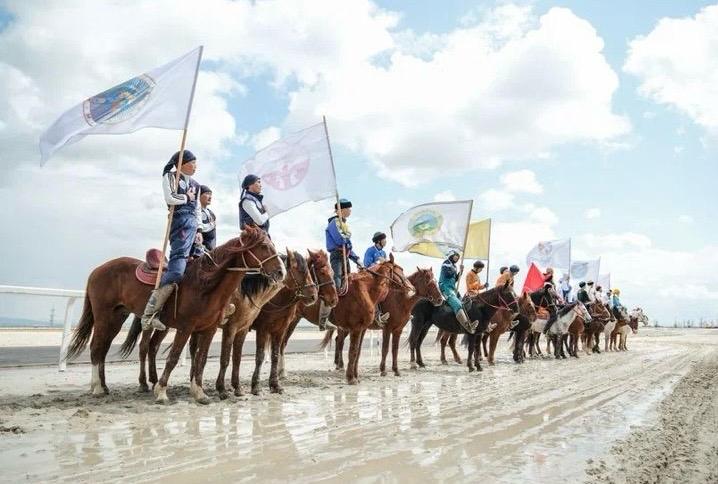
{"type": "Point", "coordinates": [183, 231]}
{"type": "Point", "coordinates": [507, 276]}
{"type": "Point", "coordinates": [591, 291]}
{"type": "Point", "coordinates": [565, 287]}
{"type": "Point", "coordinates": [616, 303]}
{"type": "Point", "coordinates": [374, 255]}
{"type": "Point", "coordinates": [208, 225]}
{"type": "Point", "coordinates": [251, 207]}
{"type": "Point", "coordinates": [473, 282]}
{"type": "Point", "coordinates": [447, 286]}
{"type": "Point", "coordinates": [548, 276]}
{"type": "Point", "coordinates": [582, 294]}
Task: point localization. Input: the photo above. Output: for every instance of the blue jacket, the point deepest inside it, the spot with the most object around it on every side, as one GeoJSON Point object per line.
{"type": "Point", "coordinates": [449, 274]}
{"type": "Point", "coordinates": [335, 239]}
{"type": "Point", "coordinates": [616, 303]}
{"type": "Point", "coordinates": [372, 255]}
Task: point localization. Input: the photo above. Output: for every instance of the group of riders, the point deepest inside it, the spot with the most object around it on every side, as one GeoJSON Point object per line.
{"type": "Point", "coordinates": [193, 232]}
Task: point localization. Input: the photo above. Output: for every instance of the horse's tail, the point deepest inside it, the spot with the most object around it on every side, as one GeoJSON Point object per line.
{"type": "Point", "coordinates": [83, 331]}
{"type": "Point", "coordinates": [327, 341]}
{"type": "Point", "coordinates": [131, 339]}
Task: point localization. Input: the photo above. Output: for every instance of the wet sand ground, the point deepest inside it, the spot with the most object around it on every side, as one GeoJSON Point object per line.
{"type": "Point", "coordinates": [542, 421]}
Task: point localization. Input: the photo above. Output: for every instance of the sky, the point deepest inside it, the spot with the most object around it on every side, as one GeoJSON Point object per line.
{"type": "Point", "coordinates": [592, 120]}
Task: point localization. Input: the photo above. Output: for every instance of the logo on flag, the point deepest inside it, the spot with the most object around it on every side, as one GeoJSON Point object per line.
{"type": "Point", "coordinates": [425, 223]}
{"type": "Point", "coordinates": [292, 169]}
{"type": "Point", "coordinates": [579, 270]}
{"type": "Point", "coordinates": [118, 103]}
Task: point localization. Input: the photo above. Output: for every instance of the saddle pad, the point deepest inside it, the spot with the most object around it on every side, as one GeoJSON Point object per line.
{"type": "Point", "coordinates": [146, 275]}
{"type": "Point", "coordinates": [152, 259]}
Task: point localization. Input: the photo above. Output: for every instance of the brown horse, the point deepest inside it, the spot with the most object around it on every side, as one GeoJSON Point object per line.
{"type": "Point", "coordinates": [355, 311]}
{"type": "Point", "coordinates": [113, 292]}
{"type": "Point", "coordinates": [600, 315]}
{"type": "Point", "coordinates": [575, 333]}
{"type": "Point", "coordinates": [398, 304]}
{"type": "Point", "coordinates": [502, 323]}
{"type": "Point", "coordinates": [276, 316]}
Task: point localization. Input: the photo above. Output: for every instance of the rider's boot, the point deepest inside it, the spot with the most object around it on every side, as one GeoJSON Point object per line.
{"type": "Point", "coordinates": [157, 300]}
{"type": "Point", "coordinates": [324, 312]}
{"type": "Point", "coordinates": [550, 321]}
{"type": "Point", "coordinates": [463, 319]}
{"type": "Point", "coordinates": [228, 311]}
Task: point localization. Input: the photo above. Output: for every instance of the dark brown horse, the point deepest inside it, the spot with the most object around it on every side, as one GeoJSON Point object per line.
{"type": "Point", "coordinates": [113, 292]}
{"type": "Point", "coordinates": [398, 304]}
{"type": "Point", "coordinates": [447, 338]}
{"type": "Point", "coordinates": [271, 324]}
{"type": "Point", "coordinates": [354, 313]}
{"type": "Point", "coordinates": [600, 315]}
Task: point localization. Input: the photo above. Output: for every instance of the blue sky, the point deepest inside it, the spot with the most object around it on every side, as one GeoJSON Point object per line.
{"type": "Point", "coordinates": [643, 154]}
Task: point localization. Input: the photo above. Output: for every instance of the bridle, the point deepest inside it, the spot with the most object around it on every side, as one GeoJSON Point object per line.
{"type": "Point", "coordinates": [251, 270]}
{"type": "Point", "coordinates": [401, 284]}
{"type": "Point", "coordinates": [298, 292]}
{"type": "Point", "coordinates": [504, 304]}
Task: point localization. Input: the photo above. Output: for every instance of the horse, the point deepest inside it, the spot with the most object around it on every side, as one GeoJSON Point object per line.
{"type": "Point", "coordinates": [527, 315]}
{"type": "Point", "coordinates": [445, 338]}
{"type": "Point", "coordinates": [575, 333]}
{"type": "Point", "coordinates": [113, 292]}
{"type": "Point", "coordinates": [535, 331]}
{"type": "Point", "coordinates": [354, 313]}
{"type": "Point", "coordinates": [641, 316]}
{"type": "Point", "coordinates": [398, 304]}
{"type": "Point", "coordinates": [621, 317]}
{"type": "Point", "coordinates": [276, 316]}
{"type": "Point", "coordinates": [600, 316]}
{"type": "Point", "coordinates": [481, 307]}
{"type": "Point", "coordinates": [544, 298]}
{"type": "Point", "coordinates": [623, 330]}
{"type": "Point", "coordinates": [558, 332]}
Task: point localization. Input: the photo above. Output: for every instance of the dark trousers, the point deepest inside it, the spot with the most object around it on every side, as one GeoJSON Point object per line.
{"type": "Point", "coordinates": [182, 234]}
{"type": "Point", "coordinates": [336, 260]}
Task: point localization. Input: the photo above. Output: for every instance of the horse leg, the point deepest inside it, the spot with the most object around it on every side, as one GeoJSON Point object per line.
{"type": "Point", "coordinates": [443, 339]}
{"type": "Point", "coordinates": [385, 336]}
{"type": "Point", "coordinates": [356, 360]}
{"type": "Point", "coordinates": [354, 343]}
{"type": "Point", "coordinates": [144, 349]}
{"type": "Point", "coordinates": [484, 338]}
{"type": "Point", "coordinates": [156, 338]}
{"type": "Point", "coordinates": [224, 355]}
{"type": "Point", "coordinates": [494, 339]}
{"type": "Point", "coordinates": [395, 337]}
{"type": "Point", "coordinates": [422, 335]}
{"type": "Point", "coordinates": [563, 343]}
{"type": "Point", "coordinates": [452, 346]}
{"type": "Point", "coordinates": [237, 346]}
{"type": "Point", "coordinates": [470, 348]}
{"type": "Point", "coordinates": [258, 359]}
{"type": "Point", "coordinates": [99, 346]}
{"type": "Point", "coordinates": [274, 385]}
{"type": "Point", "coordinates": [181, 338]}
{"type": "Point", "coordinates": [193, 343]}
{"type": "Point", "coordinates": [339, 349]}
{"type": "Point", "coordinates": [200, 360]}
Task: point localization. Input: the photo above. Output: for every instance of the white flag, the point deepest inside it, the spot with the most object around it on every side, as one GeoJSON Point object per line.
{"type": "Point", "coordinates": [159, 98]}
{"type": "Point", "coordinates": [294, 170]}
{"type": "Point", "coordinates": [604, 280]}
{"type": "Point", "coordinates": [551, 253]}
{"type": "Point", "coordinates": [585, 270]}
{"type": "Point", "coordinates": [424, 228]}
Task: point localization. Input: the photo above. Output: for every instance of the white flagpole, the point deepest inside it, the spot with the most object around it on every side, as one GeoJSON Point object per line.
{"type": "Point", "coordinates": [466, 240]}
{"type": "Point", "coordinates": [179, 167]}
{"type": "Point", "coordinates": [488, 253]}
{"type": "Point", "coordinates": [338, 211]}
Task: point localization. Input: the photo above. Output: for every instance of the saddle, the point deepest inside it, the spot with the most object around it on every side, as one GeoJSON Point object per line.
{"type": "Point", "coordinates": [146, 272]}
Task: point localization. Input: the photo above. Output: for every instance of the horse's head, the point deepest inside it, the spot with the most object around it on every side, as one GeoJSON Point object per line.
{"type": "Point", "coordinates": [581, 311]}
{"type": "Point", "coordinates": [527, 308]}
{"type": "Point", "coordinates": [426, 286]}
{"type": "Point", "coordinates": [633, 323]}
{"type": "Point", "coordinates": [601, 311]}
{"type": "Point", "coordinates": [299, 278]}
{"type": "Point", "coordinates": [392, 272]}
{"type": "Point", "coordinates": [323, 277]}
{"type": "Point", "coordinates": [258, 252]}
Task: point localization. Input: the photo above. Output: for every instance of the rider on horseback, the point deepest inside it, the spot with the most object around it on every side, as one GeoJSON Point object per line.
{"type": "Point", "coordinates": [447, 286]}
{"type": "Point", "coordinates": [374, 255]}
{"type": "Point", "coordinates": [183, 232]}
{"type": "Point", "coordinates": [208, 225]}
{"type": "Point", "coordinates": [582, 294]}
{"type": "Point", "coordinates": [251, 207]}
{"type": "Point", "coordinates": [473, 283]}
{"type": "Point", "coordinates": [507, 276]}
{"type": "Point", "coordinates": [616, 303]}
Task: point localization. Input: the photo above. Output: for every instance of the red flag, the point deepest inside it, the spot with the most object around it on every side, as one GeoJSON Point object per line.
{"type": "Point", "coordinates": [534, 279]}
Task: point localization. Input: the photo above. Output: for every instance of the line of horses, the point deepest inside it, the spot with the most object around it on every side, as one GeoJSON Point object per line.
{"type": "Point", "coordinates": [272, 292]}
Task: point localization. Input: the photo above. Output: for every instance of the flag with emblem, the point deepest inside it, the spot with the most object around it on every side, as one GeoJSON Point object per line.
{"type": "Point", "coordinates": [160, 98]}
{"type": "Point", "coordinates": [585, 270]}
{"type": "Point", "coordinates": [432, 229]}
{"type": "Point", "coordinates": [551, 253]}
{"type": "Point", "coordinates": [295, 169]}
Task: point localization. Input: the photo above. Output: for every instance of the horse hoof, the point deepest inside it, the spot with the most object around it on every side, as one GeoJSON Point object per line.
{"type": "Point", "coordinates": [352, 381]}
{"type": "Point", "coordinates": [203, 400]}
{"type": "Point", "coordinates": [255, 391]}
{"type": "Point", "coordinates": [413, 366]}
{"type": "Point", "coordinates": [396, 373]}
{"type": "Point", "coordinates": [144, 388]}
{"type": "Point", "coordinates": [223, 395]}
{"type": "Point", "coordinates": [239, 392]}
{"type": "Point", "coordinates": [444, 362]}
{"type": "Point", "coordinates": [478, 368]}
{"type": "Point", "coordinates": [276, 389]}
{"type": "Point", "coordinates": [460, 362]}
{"type": "Point", "coordinates": [422, 365]}
{"type": "Point", "coordinates": [471, 368]}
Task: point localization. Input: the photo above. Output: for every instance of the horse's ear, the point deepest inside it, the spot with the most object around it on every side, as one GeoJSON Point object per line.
{"type": "Point", "coordinates": [391, 257]}
{"type": "Point", "coordinates": [289, 257]}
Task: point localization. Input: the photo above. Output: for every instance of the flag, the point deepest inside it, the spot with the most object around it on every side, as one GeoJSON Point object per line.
{"type": "Point", "coordinates": [585, 270]}
{"type": "Point", "coordinates": [534, 279]}
{"type": "Point", "coordinates": [432, 229]}
{"type": "Point", "coordinates": [477, 243]}
{"type": "Point", "coordinates": [604, 280]}
{"type": "Point", "coordinates": [295, 169]}
{"type": "Point", "coordinates": [551, 253]}
{"type": "Point", "coordinates": [160, 98]}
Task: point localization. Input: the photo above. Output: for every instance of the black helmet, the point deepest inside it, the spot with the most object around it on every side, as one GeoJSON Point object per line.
{"type": "Point", "coordinates": [582, 284]}
{"type": "Point", "coordinates": [514, 268]}
{"type": "Point", "coordinates": [343, 203]}
{"type": "Point", "coordinates": [249, 180]}
{"type": "Point", "coordinates": [478, 264]}
{"type": "Point", "coordinates": [590, 283]}
{"type": "Point", "coordinates": [503, 269]}
{"type": "Point", "coordinates": [378, 236]}
{"type": "Point", "coordinates": [186, 158]}
{"type": "Point", "coordinates": [204, 189]}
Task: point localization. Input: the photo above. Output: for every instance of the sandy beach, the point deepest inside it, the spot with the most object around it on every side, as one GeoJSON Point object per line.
{"type": "Point", "coordinates": [617, 417]}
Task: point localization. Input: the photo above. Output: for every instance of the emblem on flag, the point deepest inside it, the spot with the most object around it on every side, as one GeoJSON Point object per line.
{"type": "Point", "coordinates": [118, 103]}
{"type": "Point", "coordinates": [425, 223]}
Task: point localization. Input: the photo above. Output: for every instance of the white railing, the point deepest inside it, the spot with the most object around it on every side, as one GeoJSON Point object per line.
{"type": "Point", "coordinates": [71, 295]}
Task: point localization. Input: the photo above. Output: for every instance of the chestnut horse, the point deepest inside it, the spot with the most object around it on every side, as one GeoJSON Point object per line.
{"type": "Point", "coordinates": [527, 315]}
{"type": "Point", "coordinates": [354, 312]}
{"type": "Point", "coordinates": [398, 304]}
{"type": "Point", "coordinates": [276, 316]}
{"type": "Point", "coordinates": [113, 292]}
{"type": "Point", "coordinates": [600, 315]}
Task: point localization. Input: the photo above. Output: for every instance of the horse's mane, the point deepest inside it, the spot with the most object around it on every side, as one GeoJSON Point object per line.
{"type": "Point", "coordinates": [207, 271]}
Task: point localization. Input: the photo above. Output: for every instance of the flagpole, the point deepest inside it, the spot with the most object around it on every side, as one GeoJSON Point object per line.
{"type": "Point", "coordinates": [338, 209]}
{"type": "Point", "coordinates": [569, 259]}
{"type": "Point", "coordinates": [179, 168]}
{"type": "Point", "coordinates": [488, 253]}
{"type": "Point", "coordinates": [466, 240]}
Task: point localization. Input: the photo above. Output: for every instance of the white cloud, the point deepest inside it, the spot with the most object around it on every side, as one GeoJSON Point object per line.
{"type": "Point", "coordinates": [521, 181]}
{"type": "Point", "coordinates": [627, 240]}
{"type": "Point", "coordinates": [677, 66]}
{"type": "Point", "coordinates": [265, 137]}
{"type": "Point", "coordinates": [494, 199]}
{"type": "Point", "coordinates": [592, 213]}
{"type": "Point", "coordinates": [445, 196]}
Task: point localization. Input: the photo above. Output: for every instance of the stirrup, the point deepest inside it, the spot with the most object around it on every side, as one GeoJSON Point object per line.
{"type": "Point", "coordinates": [325, 324]}
{"type": "Point", "coordinates": [153, 323]}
